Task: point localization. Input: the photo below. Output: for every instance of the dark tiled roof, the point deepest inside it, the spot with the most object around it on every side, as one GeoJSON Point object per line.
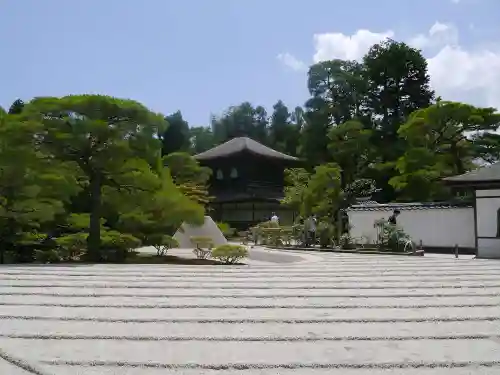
{"type": "Point", "coordinates": [237, 145]}
{"type": "Point", "coordinates": [483, 174]}
{"type": "Point", "coordinates": [365, 201]}
{"type": "Point", "coordinates": [407, 206]}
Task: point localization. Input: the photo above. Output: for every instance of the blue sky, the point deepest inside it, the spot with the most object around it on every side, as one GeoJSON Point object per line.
{"type": "Point", "coordinates": [202, 56]}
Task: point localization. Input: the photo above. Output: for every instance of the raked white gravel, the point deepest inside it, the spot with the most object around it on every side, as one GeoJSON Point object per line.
{"type": "Point", "coordinates": [317, 314]}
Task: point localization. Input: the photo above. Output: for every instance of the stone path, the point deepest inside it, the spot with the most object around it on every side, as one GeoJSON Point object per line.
{"type": "Point", "coordinates": [321, 315]}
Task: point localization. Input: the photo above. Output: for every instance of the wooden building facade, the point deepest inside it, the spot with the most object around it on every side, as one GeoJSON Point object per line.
{"type": "Point", "coordinates": [247, 182]}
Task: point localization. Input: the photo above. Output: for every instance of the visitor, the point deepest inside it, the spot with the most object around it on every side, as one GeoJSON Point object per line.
{"type": "Point", "coordinates": [312, 229]}
{"type": "Point", "coordinates": [307, 241]}
{"type": "Point", "coordinates": [393, 217]}
{"type": "Point", "coordinates": [275, 218]}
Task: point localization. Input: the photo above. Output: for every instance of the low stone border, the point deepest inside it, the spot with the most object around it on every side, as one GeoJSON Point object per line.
{"type": "Point", "coordinates": [354, 251]}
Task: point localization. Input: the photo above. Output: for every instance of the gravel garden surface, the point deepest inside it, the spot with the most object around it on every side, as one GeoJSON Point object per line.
{"type": "Point", "coordinates": [311, 314]}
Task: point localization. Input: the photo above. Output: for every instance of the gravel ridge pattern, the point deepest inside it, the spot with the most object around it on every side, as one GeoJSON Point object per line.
{"type": "Point", "coordinates": [339, 314]}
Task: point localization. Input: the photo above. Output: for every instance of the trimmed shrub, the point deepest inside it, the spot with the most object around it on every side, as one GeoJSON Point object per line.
{"type": "Point", "coordinates": [260, 232]}
{"type": "Point", "coordinates": [202, 246]}
{"type": "Point", "coordinates": [72, 247]}
{"type": "Point", "coordinates": [346, 242]}
{"type": "Point", "coordinates": [325, 233]}
{"type": "Point", "coordinates": [287, 236]}
{"type": "Point", "coordinates": [116, 246]}
{"type": "Point", "coordinates": [47, 256]}
{"type": "Point", "coordinates": [391, 237]}
{"type": "Point", "coordinates": [272, 236]}
{"type": "Point", "coordinates": [268, 224]}
{"type": "Point", "coordinates": [162, 243]}
{"type": "Point", "coordinates": [298, 234]}
{"type": "Point", "coordinates": [229, 254]}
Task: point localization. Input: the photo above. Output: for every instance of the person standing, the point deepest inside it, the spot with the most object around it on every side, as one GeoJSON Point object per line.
{"type": "Point", "coordinates": [312, 229]}
{"type": "Point", "coordinates": [393, 218]}
{"type": "Point", "coordinates": [275, 218]}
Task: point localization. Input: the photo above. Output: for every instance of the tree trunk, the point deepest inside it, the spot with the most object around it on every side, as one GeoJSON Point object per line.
{"type": "Point", "coordinates": [459, 164]}
{"type": "Point", "coordinates": [4, 242]}
{"type": "Point", "coordinates": [94, 238]}
{"type": "Point", "coordinates": [7, 227]}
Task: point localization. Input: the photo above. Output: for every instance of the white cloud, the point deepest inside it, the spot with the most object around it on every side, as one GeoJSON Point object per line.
{"type": "Point", "coordinates": [439, 35]}
{"type": "Point", "coordinates": [469, 76]}
{"type": "Point", "coordinates": [457, 73]}
{"type": "Point", "coordinates": [345, 47]}
{"type": "Point", "coordinates": [292, 62]}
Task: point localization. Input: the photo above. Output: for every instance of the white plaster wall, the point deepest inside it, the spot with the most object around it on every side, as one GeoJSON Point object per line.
{"type": "Point", "coordinates": [362, 223]}
{"type": "Point", "coordinates": [487, 216]}
{"type": "Point", "coordinates": [439, 227]}
{"type": "Point", "coordinates": [488, 247]}
{"type": "Point", "coordinates": [487, 205]}
{"type": "Point", "coordinates": [488, 193]}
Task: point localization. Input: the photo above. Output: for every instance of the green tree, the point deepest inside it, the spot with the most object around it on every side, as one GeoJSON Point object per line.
{"type": "Point", "coordinates": [350, 147]}
{"type": "Point", "coordinates": [279, 127]}
{"type": "Point", "coordinates": [189, 176]}
{"type": "Point", "coordinates": [314, 142]}
{"type": "Point", "coordinates": [297, 120]}
{"type": "Point", "coordinates": [337, 91]}
{"type": "Point", "coordinates": [321, 193]}
{"type": "Point", "coordinates": [397, 85]}
{"type": "Point", "coordinates": [33, 187]}
{"type": "Point", "coordinates": [243, 120]}
{"type": "Point", "coordinates": [176, 136]}
{"type": "Point", "coordinates": [341, 85]}
{"type": "Point", "coordinates": [324, 192]}
{"type": "Point", "coordinates": [325, 195]}
{"type": "Point", "coordinates": [296, 181]}
{"type": "Point", "coordinates": [440, 142]}
{"type": "Point", "coordinates": [112, 141]}
{"type": "Point", "coordinates": [201, 139]}
{"type": "Point", "coordinates": [419, 176]}
{"type": "Point", "coordinates": [152, 217]}
{"type": "Point", "coordinates": [486, 146]}
{"type": "Point", "coordinates": [16, 107]}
